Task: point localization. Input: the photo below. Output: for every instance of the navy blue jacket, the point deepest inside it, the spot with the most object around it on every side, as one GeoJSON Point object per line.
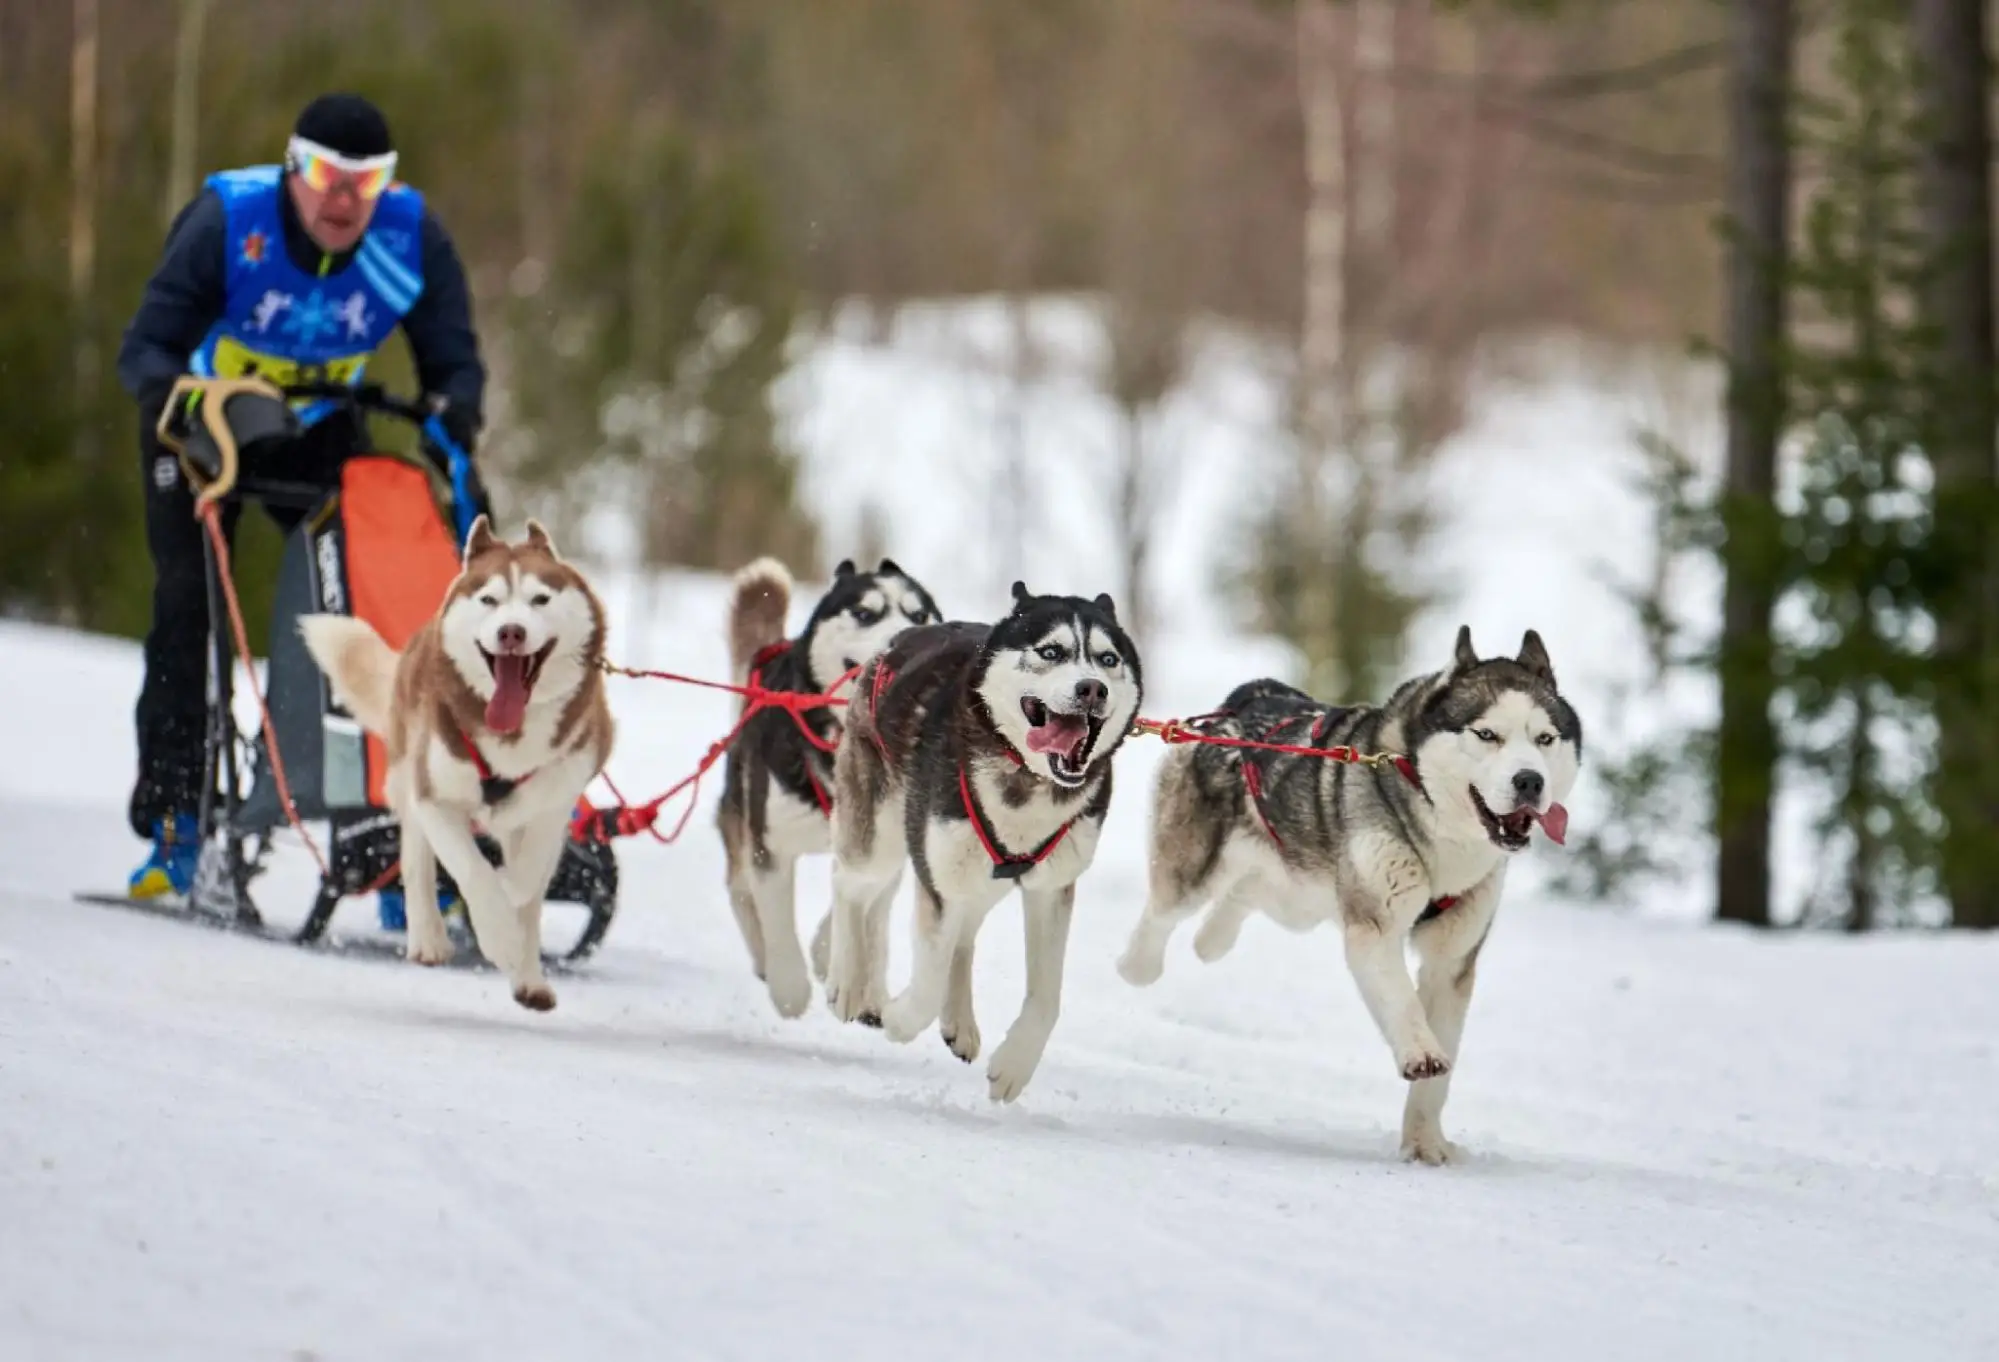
{"type": "Point", "coordinates": [185, 297]}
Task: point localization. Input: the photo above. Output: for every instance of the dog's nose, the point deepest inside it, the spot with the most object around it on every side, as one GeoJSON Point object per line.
{"type": "Point", "coordinates": [1527, 785]}
{"type": "Point", "coordinates": [1092, 692]}
{"type": "Point", "coordinates": [513, 637]}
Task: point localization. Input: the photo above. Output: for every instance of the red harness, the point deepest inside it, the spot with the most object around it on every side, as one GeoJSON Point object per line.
{"type": "Point", "coordinates": [1005, 865]}
{"type": "Point", "coordinates": [819, 792]}
{"type": "Point", "coordinates": [1252, 780]}
{"type": "Point", "coordinates": [492, 788]}
{"type": "Point", "coordinates": [875, 688]}
{"type": "Point", "coordinates": [765, 655]}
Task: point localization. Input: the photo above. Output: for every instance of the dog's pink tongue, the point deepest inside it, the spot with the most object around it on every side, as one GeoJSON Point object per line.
{"type": "Point", "coordinates": [1555, 822]}
{"type": "Point", "coordinates": [1062, 733]}
{"type": "Point", "coordinates": [508, 708]}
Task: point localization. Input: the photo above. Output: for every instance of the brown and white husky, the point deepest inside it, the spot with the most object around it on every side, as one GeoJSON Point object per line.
{"type": "Point", "coordinates": [495, 719]}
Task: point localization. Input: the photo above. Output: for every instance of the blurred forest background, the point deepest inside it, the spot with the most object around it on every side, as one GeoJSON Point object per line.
{"type": "Point", "coordinates": [657, 199]}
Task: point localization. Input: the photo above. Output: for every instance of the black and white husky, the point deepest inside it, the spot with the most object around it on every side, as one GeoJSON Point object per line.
{"type": "Point", "coordinates": [1414, 848]}
{"type": "Point", "coordinates": [777, 783]}
{"type": "Point", "coordinates": [981, 754]}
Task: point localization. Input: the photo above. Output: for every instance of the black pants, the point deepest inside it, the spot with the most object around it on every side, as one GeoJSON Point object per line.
{"type": "Point", "coordinates": [172, 709]}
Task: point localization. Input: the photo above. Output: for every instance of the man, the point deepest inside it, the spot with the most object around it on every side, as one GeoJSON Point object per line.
{"type": "Point", "coordinates": [286, 271]}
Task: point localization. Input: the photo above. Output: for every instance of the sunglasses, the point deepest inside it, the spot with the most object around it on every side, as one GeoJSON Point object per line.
{"type": "Point", "coordinates": [324, 170]}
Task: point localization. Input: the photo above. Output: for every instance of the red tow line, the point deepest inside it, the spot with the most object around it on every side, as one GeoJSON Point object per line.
{"type": "Point", "coordinates": [625, 819]}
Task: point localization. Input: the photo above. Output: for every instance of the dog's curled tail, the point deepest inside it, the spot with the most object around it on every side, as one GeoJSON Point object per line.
{"type": "Point", "coordinates": [756, 613]}
{"type": "Point", "coordinates": [361, 666]}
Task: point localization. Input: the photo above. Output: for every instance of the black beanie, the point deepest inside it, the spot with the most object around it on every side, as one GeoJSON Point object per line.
{"type": "Point", "coordinates": [346, 124]}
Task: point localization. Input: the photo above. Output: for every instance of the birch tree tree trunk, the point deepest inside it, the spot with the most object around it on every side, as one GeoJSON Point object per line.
{"type": "Point", "coordinates": [1322, 354]}
{"type": "Point", "coordinates": [186, 143]}
{"type": "Point", "coordinates": [1148, 261]}
{"type": "Point", "coordinates": [1374, 121]}
{"type": "Point", "coordinates": [83, 223]}
{"type": "Point", "coordinates": [1322, 348]}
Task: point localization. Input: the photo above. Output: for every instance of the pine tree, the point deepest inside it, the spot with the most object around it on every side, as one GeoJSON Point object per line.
{"type": "Point", "coordinates": [1842, 540]}
{"type": "Point", "coordinates": [1855, 673]}
{"type": "Point", "coordinates": [1956, 193]}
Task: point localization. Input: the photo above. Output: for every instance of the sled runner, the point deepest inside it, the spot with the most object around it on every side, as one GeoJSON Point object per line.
{"type": "Point", "coordinates": [380, 548]}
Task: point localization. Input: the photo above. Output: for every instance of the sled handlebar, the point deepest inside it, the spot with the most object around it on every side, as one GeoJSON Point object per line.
{"type": "Point", "coordinates": [426, 416]}
{"type": "Point", "coordinates": [208, 449]}
{"type": "Point", "coordinates": [366, 396]}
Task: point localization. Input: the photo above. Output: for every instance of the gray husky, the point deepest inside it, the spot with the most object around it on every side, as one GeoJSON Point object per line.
{"type": "Point", "coordinates": [981, 754]}
{"type": "Point", "coordinates": [776, 787]}
{"type": "Point", "coordinates": [1415, 845]}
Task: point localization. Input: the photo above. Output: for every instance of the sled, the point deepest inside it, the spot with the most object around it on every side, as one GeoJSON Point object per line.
{"type": "Point", "coordinates": [380, 547]}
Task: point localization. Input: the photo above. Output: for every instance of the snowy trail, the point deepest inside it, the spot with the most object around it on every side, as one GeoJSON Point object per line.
{"type": "Point", "coordinates": [1682, 1144]}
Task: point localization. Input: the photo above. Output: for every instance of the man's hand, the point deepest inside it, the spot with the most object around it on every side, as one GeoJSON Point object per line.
{"type": "Point", "coordinates": [461, 425]}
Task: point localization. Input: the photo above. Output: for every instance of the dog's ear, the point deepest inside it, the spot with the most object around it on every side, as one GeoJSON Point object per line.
{"type": "Point", "coordinates": [844, 568]}
{"type": "Point", "coordinates": [1534, 657]}
{"type": "Point", "coordinates": [888, 568]}
{"type": "Point", "coordinates": [1464, 657]}
{"type": "Point", "coordinates": [480, 538]}
{"type": "Point", "coordinates": [1107, 605]}
{"type": "Point", "coordinates": [1020, 592]}
{"type": "Point", "coordinates": [538, 538]}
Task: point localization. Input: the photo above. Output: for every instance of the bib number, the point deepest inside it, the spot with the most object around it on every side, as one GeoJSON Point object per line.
{"type": "Point", "coordinates": [233, 359]}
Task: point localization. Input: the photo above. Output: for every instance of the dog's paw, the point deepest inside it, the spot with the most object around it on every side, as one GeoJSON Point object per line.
{"type": "Point", "coordinates": [958, 1025]}
{"type": "Point", "coordinates": [536, 997]}
{"type": "Point", "coordinates": [430, 947]}
{"type": "Point", "coordinates": [961, 1038]}
{"type": "Point", "coordinates": [1429, 1147]}
{"type": "Point", "coordinates": [790, 993]}
{"type": "Point", "coordinates": [848, 1002]}
{"type": "Point", "coordinates": [1217, 938]}
{"type": "Point", "coordinates": [1426, 1063]}
{"type": "Point", "coordinates": [1011, 1068]}
{"type": "Point", "coordinates": [1141, 967]}
{"type": "Point", "coordinates": [901, 1023]}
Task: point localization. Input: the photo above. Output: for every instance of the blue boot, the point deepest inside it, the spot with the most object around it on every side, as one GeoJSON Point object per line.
{"type": "Point", "coordinates": [391, 909]}
{"type": "Point", "coordinates": [170, 869]}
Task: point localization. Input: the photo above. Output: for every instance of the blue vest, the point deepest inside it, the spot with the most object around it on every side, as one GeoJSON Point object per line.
{"type": "Point", "coordinates": [290, 326]}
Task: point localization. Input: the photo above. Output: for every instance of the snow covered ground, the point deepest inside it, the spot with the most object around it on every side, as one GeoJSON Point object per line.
{"type": "Point", "coordinates": [1682, 1142]}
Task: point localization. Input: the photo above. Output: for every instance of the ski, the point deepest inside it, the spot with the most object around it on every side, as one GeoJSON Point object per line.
{"type": "Point", "coordinates": [379, 948]}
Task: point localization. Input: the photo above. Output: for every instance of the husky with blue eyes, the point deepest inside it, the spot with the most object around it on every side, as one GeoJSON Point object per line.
{"type": "Point", "coordinates": [980, 756]}
{"type": "Point", "coordinates": [1409, 850]}
{"type": "Point", "coordinates": [777, 784]}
